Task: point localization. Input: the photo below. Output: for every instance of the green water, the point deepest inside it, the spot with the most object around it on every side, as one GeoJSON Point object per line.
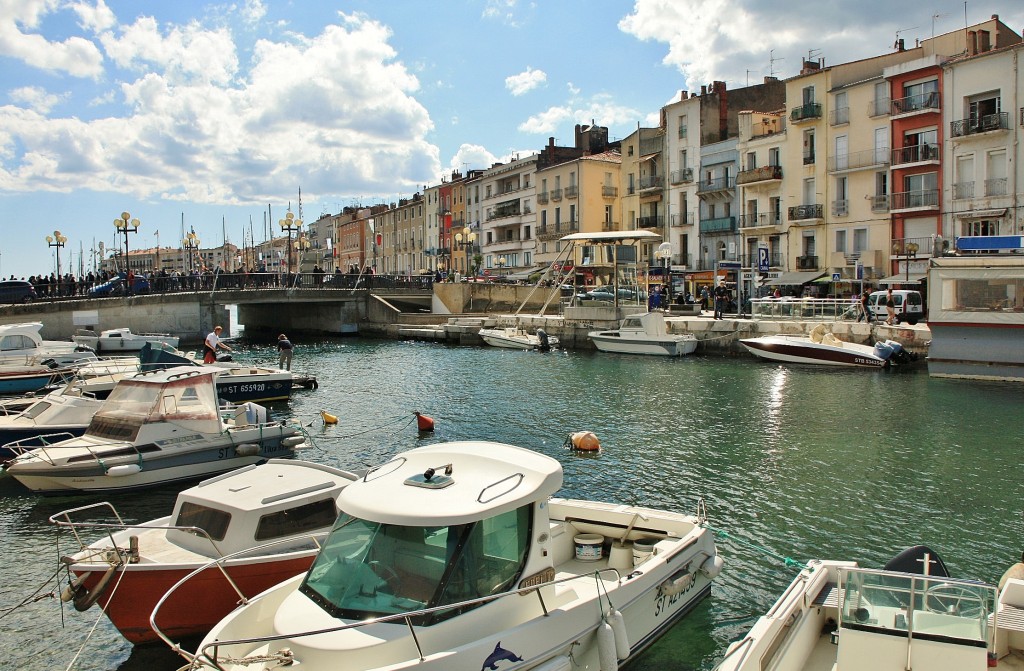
{"type": "Point", "coordinates": [792, 462]}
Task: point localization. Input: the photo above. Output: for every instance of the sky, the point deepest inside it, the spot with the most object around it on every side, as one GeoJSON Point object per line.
{"type": "Point", "coordinates": [213, 117]}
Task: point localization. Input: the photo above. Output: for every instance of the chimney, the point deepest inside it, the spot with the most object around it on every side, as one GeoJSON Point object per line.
{"type": "Point", "coordinates": [900, 45]}
{"type": "Point", "coordinates": [972, 43]}
{"type": "Point", "coordinates": [703, 89]}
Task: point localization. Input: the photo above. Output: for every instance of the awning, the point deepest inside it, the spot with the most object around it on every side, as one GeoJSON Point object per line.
{"type": "Point", "coordinates": [915, 278]}
{"type": "Point", "coordinates": [793, 279]}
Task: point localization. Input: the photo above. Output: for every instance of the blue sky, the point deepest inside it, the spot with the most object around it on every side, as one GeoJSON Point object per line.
{"type": "Point", "coordinates": [211, 112]}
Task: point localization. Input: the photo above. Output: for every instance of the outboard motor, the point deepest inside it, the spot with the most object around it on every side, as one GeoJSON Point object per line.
{"type": "Point", "coordinates": [542, 336]}
{"type": "Point", "coordinates": [883, 350]}
{"type": "Point", "coordinates": [899, 354]}
{"type": "Point", "coordinates": [223, 356]}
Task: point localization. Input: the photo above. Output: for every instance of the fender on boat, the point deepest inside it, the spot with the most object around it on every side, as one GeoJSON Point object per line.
{"type": "Point", "coordinates": [712, 566]}
{"type": "Point", "coordinates": [618, 624]}
{"type": "Point", "coordinates": [247, 450]}
{"type": "Point", "coordinates": [84, 598]}
{"type": "Point", "coordinates": [123, 470]}
{"type": "Point", "coordinates": [292, 441]}
{"type": "Point", "coordinates": [606, 654]}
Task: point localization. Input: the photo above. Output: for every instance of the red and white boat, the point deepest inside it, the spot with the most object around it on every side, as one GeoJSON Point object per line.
{"type": "Point", "coordinates": [271, 516]}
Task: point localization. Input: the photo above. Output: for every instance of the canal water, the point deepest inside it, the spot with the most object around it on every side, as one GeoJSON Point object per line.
{"type": "Point", "coordinates": [793, 462]}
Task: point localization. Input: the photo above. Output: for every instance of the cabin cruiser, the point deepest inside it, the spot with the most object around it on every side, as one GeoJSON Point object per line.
{"type": "Point", "coordinates": [65, 411]}
{"type": "Point", "coordinates": [154, 428]}
{"type": "Point", "coordinates": [644, 334]}
{"type": "Point", "coordinates": [454, 556]}
{"type": "Point", "coordinates": [516, 337]}
{"type": "Point", "coordinates": [822, 347]}
{"type": "Point", "coordinates": [840, 616]}
{"type": "Point", "coordinates": [121, 340]}
{"type": "Point", "coordinates": [22, 344]}
{"type": "Point", "coordinates": [261, 523]}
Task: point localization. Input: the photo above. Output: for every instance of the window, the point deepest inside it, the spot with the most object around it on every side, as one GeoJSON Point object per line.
{"type": "Point", "coordinates": [683, 160]}
{"type": "Point", "coordinates": [773, 156]}
{"type": "Point", "coordinates": [981, 227]}
{"type": "Point", "coordinates": [981, 106]}
{"type": "Point", "coordinates": [309, 517]}
{"type": "Point", "coordinates": [607, 214]}
{"type": "Point", "coordinates": [751, 160]}
{"type": "Point", "coordinates": [629, 150]}
{"type": "Point", "coordinates": [808, 95]}
{"type": "Point", "coordinates": [214, 522]}
{"type": "Point", "coordinates": [860, 240]}
{"type": "Point", "coordinates": [808, 147]}
{"type": "Point", "coordinates": [841, 240]}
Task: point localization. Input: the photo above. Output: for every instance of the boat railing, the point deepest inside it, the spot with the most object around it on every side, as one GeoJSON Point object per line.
{"type": "Point", "coordinates": [204, 655]}
{"type": "Point", "coordinates": [805, 309]}
{"type": "Point", "coordinates": [26, 445]}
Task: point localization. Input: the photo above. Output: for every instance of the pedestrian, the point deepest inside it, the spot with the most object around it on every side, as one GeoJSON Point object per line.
{"type": "Point", "coordinates": [890, 307]}
{"type": "Point", "coordinates": [865, 309]}
{"type": "Point", "coordinates": [284, 349]}
{"type": "Point", "coordinates": [212, 344]}
{"type": "Point", "coordinates": [704, 296]}
{"type": "Point", "coordinates": [721, 299]}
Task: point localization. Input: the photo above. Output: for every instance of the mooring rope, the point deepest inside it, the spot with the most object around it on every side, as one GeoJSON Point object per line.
{"type": "Point", "coordinates": [103, 612]}
{"type": "Point", "coordinates": [37, 595]}
{"type": "Point", "coordinates": [788, 561]}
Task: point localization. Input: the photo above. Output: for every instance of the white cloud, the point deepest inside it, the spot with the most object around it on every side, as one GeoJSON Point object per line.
{"type": "Point", "coordinates": [95, 18]}
{"type": "Point", "coordinates": [36, 98]}
{"type": "Point", "coordinates": [546, 121]}
{"type": "Point", "coordinates": [253, 12]}
{"type": "Point", "coordinates": [501, 10]}
{"type": "Point", "coordinates": [525, 81]}
{"type": "Point", "coordinates": [76, 56]}
{"type": "Point", "coordinates": [601, 109]}
{"type": "Point", "coordinates": [333, 113]}
{"type": "Point", "coordinates": [472, 155]}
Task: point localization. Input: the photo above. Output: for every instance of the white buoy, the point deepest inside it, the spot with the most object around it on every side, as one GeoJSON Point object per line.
{"type": "Point", "coordinates": [606, 655]}
{"type": "Point", "coordinates": [123, 470]}
{"type": "Point", "coordinates": [618, 624]}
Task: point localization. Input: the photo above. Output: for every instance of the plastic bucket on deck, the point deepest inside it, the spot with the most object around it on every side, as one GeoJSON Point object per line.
{"type": "Point", "coordinates": [589, 547]}
{"type": "Point", "coordinates": [643, 548]}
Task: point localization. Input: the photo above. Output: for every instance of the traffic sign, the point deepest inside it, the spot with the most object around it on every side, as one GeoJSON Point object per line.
{"type": "Point", "coordinates": [762, 259]}
{"type": "Point", "coordinates": [836, 277]}
{"type": "Point", "coordinates": [728, 264]}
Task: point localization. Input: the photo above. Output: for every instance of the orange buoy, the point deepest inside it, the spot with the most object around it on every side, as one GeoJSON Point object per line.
{"type": "Point", "coordinates": [328, 417]}
{"type": "Point", "coordinates": [585, 441]}
{"type": "Point", "coordinates": [424, 423]}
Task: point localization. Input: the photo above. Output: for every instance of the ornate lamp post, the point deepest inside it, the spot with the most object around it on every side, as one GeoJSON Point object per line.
{"type": "Point", "coordinates": [191, 243]}
{"type": "Point", "coordinates": [289, 225]}
{"type": "Point", "coordinates": [500, 262]}
{"type": "Point", "coordinates": [127, 225]}
{"type": "Point", "coordinates": [663, 253]}
{"type": "Point", "coordinates": [911, 251]}
{"type": "Point", "coordinates": [464, 240]}
{"type": "Point", "coordinates": [302, 246]}
{"type": "Point", "coordinates": [57, 241]}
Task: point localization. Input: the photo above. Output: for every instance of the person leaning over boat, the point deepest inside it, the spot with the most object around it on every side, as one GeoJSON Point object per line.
{"type": "Point", "coordinates": [284, 349]}
{"type": "Point", "coordinates": [212, 344]}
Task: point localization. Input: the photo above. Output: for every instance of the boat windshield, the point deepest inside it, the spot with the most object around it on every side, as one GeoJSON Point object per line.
{"type": "Point", "coordinates": [366, 569]}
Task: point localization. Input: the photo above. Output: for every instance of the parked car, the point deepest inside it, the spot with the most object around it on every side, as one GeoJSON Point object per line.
{"type": "Point", "coordinates": [909, 306]}
{"type": "Point", "coordinates": [607, 293]}
{"type": "Point", "coordinates": [17, 291]}
{"type": "Point", "coordinates": [116, 285]}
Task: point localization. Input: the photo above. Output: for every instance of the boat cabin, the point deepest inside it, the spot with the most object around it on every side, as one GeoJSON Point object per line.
{"type": "Point", "coordinates": [435, 526]}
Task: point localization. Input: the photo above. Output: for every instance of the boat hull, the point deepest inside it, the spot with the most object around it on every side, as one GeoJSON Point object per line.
{"type": "Point", "coordinates": [139, 587]}
{"type": "Point", "coordinates": [801, 350]}
{"type": "Point", "coordinates": [606, 342]}
{"type": "Point", "coordinates": [24, 383]}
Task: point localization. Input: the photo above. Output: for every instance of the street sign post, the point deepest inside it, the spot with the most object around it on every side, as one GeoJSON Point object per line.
{"type": "Point", "coordinates": [762, 259]}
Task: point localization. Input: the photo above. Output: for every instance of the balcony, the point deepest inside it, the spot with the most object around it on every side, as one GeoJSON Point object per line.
{"type": "Point", "coordinates": [609, 191]}
{"type": "Point", "coordinates": [982, 124]}
{"type": "Point", "coordinates": [503, 210]}
{"type": "Point", "coordinates": [715, 185]}
{"type": "Point", "coordinates": [750, 260]}
{"type": "Point", "coordinates": [925, 199]}
{"type": "Point", "coordinates": [763, 174]}
{"type": "Point", "coordinates": [805, 112]}
{"type": "Point", "coordinates": [719, 225]}
{"type": "Point", "coordinates": [859, 160]}
{"type": "Point", "coordinates": [809, 158]}
{"type": "Point", "coordinates": [963, 190]}
{"type": "Point", "coordinates": [651, 182]}
{"type": "Point", "coordinates": [805, 212]}
{"type": "Point", "coordinates": [681, 219]}
{"type": "Point", "coordinates": [759, 220]}
{"type": "Point", "coordinates": [913, 247]}
{"type": "Point", "coordinates": [650, 221]}
{"type": "Point", "coordinates": [807, 263]}
{"type": "Point", "coordinates": [840, 208]}
{"type": "Point", "coordinates": [556, 195]}
{"type": "Point", "coordinates": [572, 191]}
{"type": "Point", "coordinates": [681, 176]}
{"type": "Point", "coordinates": [839, 117]}
{"type": "Point", "coordinates": [542, 197]}
{"type": "Point", "coordinates": [610, 226]}
{"type": "Point", "coordinates": [880, 203]}
{"type": "Point", "coordinates": [995, 187]}
{"type": "Point", "coordinates": [917, 153]}
{"type": "Point", "coordinates": [513, 245]}
{"type": "Point", "coordinates": [917, 104]}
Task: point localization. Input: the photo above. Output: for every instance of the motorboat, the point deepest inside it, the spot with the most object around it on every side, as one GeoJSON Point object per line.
{"type": "Point", "coordinates": [822, 347]}
{"type": "Point", "coordinates": [67, 410]}
{"type": "Point", "coordinates": [517, 337]}
{"type": "Point", "coordinates": [645, 333]}
{"type": "Point", "coordinates": [455, 556]}
{"type": "Point", "coordinates": [261, 523]}
{"type": "Point", "coordinates": [120, 340]}
{"type": "Point", "coordinates": [27, 378]}
{"type": "Point", "coordinates": [22, 344]}
{"type": "Point", "coordinates": [154, 428]}
{"type": "Point", "coordinates": [838, 615]}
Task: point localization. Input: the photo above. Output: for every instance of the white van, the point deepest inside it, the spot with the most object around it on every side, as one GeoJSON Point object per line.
{"type": "Point", "coordinates": [909, 306]}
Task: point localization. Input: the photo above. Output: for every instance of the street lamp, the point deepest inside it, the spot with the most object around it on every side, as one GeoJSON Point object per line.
{"type": "Point", "coordinates": [464, 240]}
{"type": "Point", "coordinates": [302, 246]}
{"type": "Point", "coordinates": [289, 225]}
{"type": "Point", "coordinates": [911, 251]}
{"type": "Point", "coordinates": [663, 253]}
{"type": "Point", "coordinates": [191, 243]}
{"type": "Point", "coordinates": [127, 225]}
{"type": "Point", "coordinates": [57, 241]}
{"type": "Point", "coordinates": [500, 262]}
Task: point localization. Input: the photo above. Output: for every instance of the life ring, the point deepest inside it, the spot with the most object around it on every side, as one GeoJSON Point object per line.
{"type": "Point", "coordinates": [585, 441]}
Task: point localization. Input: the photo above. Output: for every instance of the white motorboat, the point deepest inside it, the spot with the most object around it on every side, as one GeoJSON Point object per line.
{"type": "Point", "coordinates": [516, 337]}
{"type": "Point", "coordinates": [261, 522]}
{"type": "Point", "coordinates": [823, 348]}
{"type": "Point", "coordinates": [65, 411]}
{"type": "Point", "coordinates": [22, 344]}
{"type": "Point", "coordinates": [121, 340]}
{"type": "Point", "coordinates": [454, 556]}
{"type": "Point", "coordinates": [154, 428]}
{"type": "Point", "coordinates": [644, 334]}
{"type": "Point", "coordinates": [839, 616]}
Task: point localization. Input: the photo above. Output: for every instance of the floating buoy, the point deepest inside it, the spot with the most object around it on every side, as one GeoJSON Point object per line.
{"type": "Point", "coordinates": [424, 423]}
{"type": "Point", "coordinates": [585, 441]}
{"type": "Point", "coordinates": [328, 417]}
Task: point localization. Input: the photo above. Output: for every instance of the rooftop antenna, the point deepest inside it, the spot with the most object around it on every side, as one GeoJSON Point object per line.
{"type": "Point", "coordinates": [771, 62]}
{"type": "Point", "coordinates": [896, 44]}
{"type": "Point", "coordinates": [935, 16]}
{"type": "Point", "coordinates": [811, 53]}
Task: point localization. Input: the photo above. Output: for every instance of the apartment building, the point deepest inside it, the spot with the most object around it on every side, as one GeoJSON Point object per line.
{"type": "Point", "coordinates": [507, 193]}
{"type": "Point", "coordinates": [759, 186]}
{"type": "Point", "coordinates": [403, 237]}
{"type": "Point", "coordinates": [682, 160]}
